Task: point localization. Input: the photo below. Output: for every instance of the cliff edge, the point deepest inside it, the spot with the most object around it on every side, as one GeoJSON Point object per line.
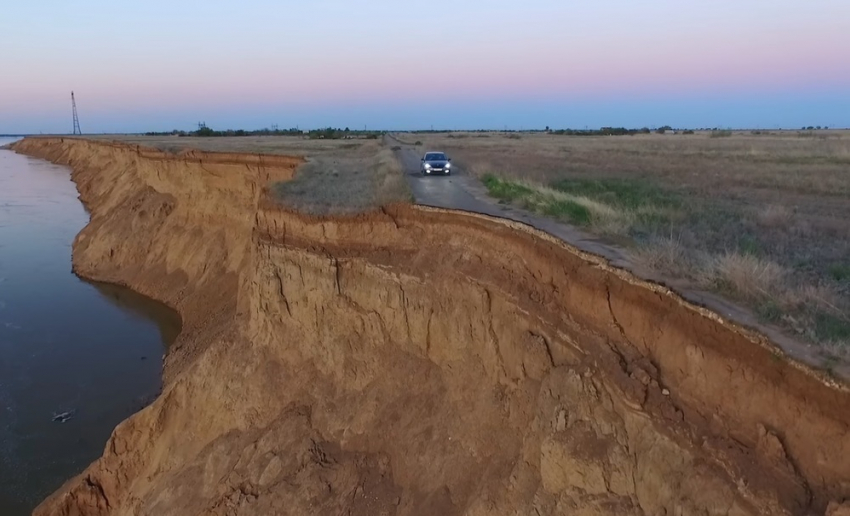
{"type": "Point", "coordinates": [424, 361]}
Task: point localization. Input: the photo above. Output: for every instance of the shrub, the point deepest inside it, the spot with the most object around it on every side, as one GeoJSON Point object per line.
{"type": "Point", "coordinates": [748, 276]}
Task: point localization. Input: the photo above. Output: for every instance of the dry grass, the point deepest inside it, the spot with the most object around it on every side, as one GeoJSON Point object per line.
{"type": "Point", "coordinates": [763, 218]}
{"type": "Point", "coordinates": [286, 145]}
{"type": "Point", "coordinates": [747, 277]}
{"type": "Point", "coordinates": [390, 184]}
{"type": "Point", "coordinates": [345, 185]}
{"type": "Point", "coordinates": [775, 216]}
{"type": "Point", "coordinates": [340, 176]}
{"type": "Point", "coordinates": [665, 254]}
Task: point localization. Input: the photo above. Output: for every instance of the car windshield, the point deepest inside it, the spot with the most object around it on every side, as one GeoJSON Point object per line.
{"type": "Point", "coordinates": [435, 156]}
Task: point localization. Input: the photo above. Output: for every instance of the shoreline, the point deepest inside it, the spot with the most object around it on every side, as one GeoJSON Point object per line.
{"type": "Point", "coordinates": [140, 236]}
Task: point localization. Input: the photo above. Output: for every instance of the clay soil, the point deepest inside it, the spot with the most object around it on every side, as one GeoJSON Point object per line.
{"type": "Point", "coordinates": [415, 360]}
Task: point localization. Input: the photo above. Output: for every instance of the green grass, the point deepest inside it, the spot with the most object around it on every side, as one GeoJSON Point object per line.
{"type": "Point", "coordinates": [623, 193]}
{"type": "Point", "coordinates": [610, 206]}
{"type": "Point", "coordinates": [568, 210]}
{"type": "Point", "coordinates": [651, 207]}
{"type": "Point", "coordinates": [840, 271]}
{"type": "Point", "coordinates": [535, 199]}
{"type": "Point", "coordinates": [505, 190]}
{"type": "Point", "coordinates": [769, 311]}
{"type": "Point", "coordinates": [832, 328]}
{"type": "Point", "coordinates": [747, 244]}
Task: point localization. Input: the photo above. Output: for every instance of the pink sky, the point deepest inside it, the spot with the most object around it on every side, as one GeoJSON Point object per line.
{"type": "Point", "coordinates": [203, 57]}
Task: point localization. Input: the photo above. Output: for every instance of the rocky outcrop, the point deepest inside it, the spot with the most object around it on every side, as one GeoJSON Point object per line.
{"type": "Point", "coordinates": [423, 361]}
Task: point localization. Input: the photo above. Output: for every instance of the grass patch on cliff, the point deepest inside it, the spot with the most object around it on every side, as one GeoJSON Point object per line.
{"type": "Point", "coordinates": [341, 185]}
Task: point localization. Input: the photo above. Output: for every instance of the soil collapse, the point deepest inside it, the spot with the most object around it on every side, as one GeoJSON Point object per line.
{"type": "Point", "coordinates": [420, 361]}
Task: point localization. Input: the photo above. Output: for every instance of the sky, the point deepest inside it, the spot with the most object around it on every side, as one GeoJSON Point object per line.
{"type": "Point", "coordinates": [408, 64]}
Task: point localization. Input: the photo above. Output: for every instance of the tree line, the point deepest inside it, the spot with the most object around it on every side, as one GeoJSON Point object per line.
{"type": "Point", "coordinates": [329, 133]}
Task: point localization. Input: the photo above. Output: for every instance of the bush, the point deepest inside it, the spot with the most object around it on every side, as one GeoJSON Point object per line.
{"type": "Point", "coordinates": [208, 132]}
{"type": "Point", "coordinates": [605, 131]}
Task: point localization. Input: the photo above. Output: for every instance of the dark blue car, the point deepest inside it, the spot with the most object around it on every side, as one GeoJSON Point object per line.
{"type": "Point", "coordinates": [435, 163]}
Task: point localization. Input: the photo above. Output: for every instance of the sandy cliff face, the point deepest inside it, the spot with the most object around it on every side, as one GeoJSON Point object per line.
{"type": "Point", "coordinates": [423, 361]}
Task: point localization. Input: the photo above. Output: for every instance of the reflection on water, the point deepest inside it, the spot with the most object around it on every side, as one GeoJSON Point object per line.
{"type": "Point", "coordinates": [91, 353]}
{"type": "Point", "coordinates": [166, 320]}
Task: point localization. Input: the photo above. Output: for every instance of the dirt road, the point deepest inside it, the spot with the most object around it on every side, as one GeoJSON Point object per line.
{"type": "Point", "coordinates": [460, 191]}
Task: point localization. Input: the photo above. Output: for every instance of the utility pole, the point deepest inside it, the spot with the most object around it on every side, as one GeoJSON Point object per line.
{"type": "Point", "coordinates": [76, 129]}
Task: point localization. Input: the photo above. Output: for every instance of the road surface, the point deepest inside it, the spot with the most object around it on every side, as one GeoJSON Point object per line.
{"type": "Point", "coordinates": [460, 191]}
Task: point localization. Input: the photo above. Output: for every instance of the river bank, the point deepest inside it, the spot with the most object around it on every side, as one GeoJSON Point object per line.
{"type": "Point", "coordinates": [76, 358]}
{"type": "Point", "coordinates": [419, 361]}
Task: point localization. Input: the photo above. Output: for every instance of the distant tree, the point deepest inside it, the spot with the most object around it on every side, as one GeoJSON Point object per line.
{"type": "Point", "coordinates": [548, 130]}
{"type": "Point", "coordinates": [818, 128]}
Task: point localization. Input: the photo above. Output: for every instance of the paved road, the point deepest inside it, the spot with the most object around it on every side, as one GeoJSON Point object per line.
{"type": "Point", "coordinates": [461, 191]}
{"type": "Point", "coordinates": [451, 191]}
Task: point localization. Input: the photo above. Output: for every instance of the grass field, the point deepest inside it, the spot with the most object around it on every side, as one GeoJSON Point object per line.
{"type": "Point", "coordinates": [340, 176]}
{"type": "Point", "coordinates": [763, 218]}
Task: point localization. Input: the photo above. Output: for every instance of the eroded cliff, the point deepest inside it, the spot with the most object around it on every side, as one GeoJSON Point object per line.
{"type": "Point", "coordinates": [423, 361]}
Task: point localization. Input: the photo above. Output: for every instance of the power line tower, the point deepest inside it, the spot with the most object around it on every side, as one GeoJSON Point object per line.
{"type": "Point", "coordinates": [76, 118]}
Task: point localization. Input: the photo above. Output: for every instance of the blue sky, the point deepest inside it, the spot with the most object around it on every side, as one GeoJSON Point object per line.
{"type": "Point", "coordinates": [157, 65]}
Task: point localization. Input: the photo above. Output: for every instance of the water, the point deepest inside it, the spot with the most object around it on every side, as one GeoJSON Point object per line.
{"type": "Point", "coordinates": [66, 345]}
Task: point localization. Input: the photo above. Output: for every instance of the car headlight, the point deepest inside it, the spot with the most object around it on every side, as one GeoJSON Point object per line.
{"type": "Point", "coordinates": [427, 165]}
{"type": "Point", "coordinates": [448, 165]}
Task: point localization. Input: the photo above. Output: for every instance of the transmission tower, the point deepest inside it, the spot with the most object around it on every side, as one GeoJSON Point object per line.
{"type": "Point", "coordinates": [76, 118]}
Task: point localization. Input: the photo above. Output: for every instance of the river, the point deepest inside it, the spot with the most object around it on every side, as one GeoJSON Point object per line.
{"type": "Point", "coordinates": [76, 358]}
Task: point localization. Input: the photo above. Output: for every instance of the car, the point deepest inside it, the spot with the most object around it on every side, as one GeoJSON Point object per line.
{"type": "Point", "coordinates": [435, 163]}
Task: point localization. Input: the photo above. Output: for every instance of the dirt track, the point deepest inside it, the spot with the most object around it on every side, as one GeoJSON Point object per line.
{"type": "Point", "coordinates": [424, 361]}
